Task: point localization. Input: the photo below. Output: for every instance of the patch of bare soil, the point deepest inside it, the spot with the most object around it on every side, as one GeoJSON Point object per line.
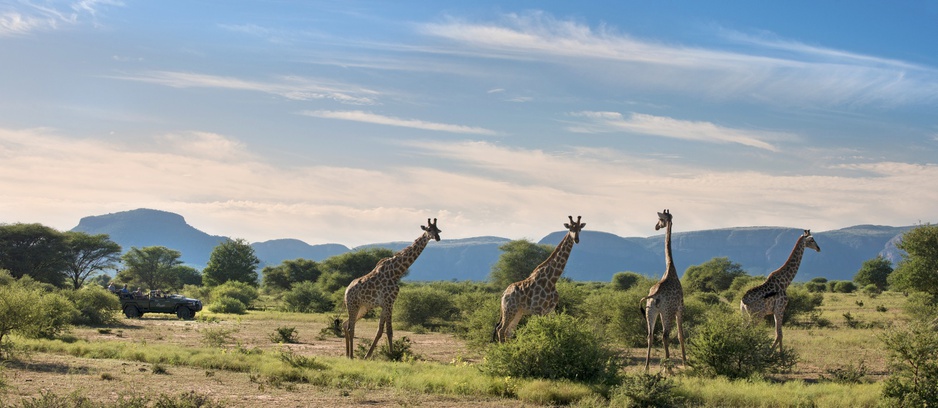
{"type": "Point", "coordinates": [105, 381]}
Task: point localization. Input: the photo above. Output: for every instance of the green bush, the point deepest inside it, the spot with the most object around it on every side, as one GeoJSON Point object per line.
{"type": "Point", "coordinates": [801, 301]}
{"type": "Point", "coordinates": [53, 316]}
{"type": "Point", "coordinates": [816, 287]}
{"type": "Point", "coordinates": [727, 345]}
{"type": "Point", "coordinates": [913, 362]}
{"type": "Point", "coordinates": [284, 335]}
{"type": "Point", "coordinates": [616, 315]}
{"type": "Point", "coordinates": [306, 297]}
{"type": "Point", "coordinates": [646, 390]}
{"type": "Point", "coordinates": [871, 290]}
{"type": "Point", "coordinates": [96, 306]}
{"type": "Point", "coordinates": [844, 287]}
{"type": "Point", "coordinates": [227, 304]}
{"type": "Point", "coordinates": [478, 312]}
{"type": "Point", "coordinates": [555, 346]}
{"type": "Point", "coordinates": [423, 306]}
{"type": "Point", "coordinates": [920, 307]}
{"type": "Point", "coordinates": [625, 280]}
{"type": "Point", "coordinates": [244, 293]}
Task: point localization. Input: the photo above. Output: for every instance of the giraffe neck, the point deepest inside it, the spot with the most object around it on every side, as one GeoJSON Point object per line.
{"type": "Point", "coordinates": [671, 272]}
{"type": "Point", "coordinates": [552, 268]}
{"type": "Point", "coordinates": [404, 258]}
{"type": "Point", "coordinates": [784, 275]}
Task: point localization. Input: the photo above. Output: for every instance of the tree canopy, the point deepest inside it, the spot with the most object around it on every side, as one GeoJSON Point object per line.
{"type": "Point", "coordinates": [918, 269]}
{"type": "Point", "coordinates": [874, 271]}
{"type": "Point", "coordinates": [232, 260]}
{"type": "Point", "coordinates": [518, 260]}
{"type": "Point", "coordinates": [34, 250]}
{"type": "Point", "coordinates": [153, 267]}
{"type": "Point", "coordinates": [714, 276]}
{"type": "Point", "coordinates": [86, 255]}
{"type": "Point", "coordinates": [340, 270]}
{"type": "Point", "coordinates": [290, 272]}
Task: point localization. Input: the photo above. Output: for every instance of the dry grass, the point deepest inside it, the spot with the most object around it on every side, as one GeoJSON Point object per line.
{"type": "Point", "coordinates": [106, 379]}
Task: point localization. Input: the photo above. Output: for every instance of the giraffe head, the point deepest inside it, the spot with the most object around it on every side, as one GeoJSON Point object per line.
{"type": "Point", "coordinates": [809, 241]}
{"type": "Point", "coordinates": [663, 219]}
{"type": "Point", "coordinates": [431, 229]}
{"type": "Point", "coordinates": [575, 227]}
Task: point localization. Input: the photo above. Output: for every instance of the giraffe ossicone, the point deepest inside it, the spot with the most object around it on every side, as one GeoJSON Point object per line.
{"type": "Point", "coordinates": [770, 298]}
{"type": "Point", "coordinates": [537, 294]}
{"type": "Point", "coordinates": [379, 288]}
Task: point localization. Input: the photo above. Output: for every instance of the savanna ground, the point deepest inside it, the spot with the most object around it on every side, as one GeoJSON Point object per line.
{"type": "Point", "coordinates": [232, 360]}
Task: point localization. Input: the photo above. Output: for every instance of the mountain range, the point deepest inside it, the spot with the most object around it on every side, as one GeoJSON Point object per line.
{"type": "Point", "coordinates": [597, 257]}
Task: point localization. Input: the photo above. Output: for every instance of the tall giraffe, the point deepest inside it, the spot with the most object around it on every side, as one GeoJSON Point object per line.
{"type": "Point", "coordinates": [537, 294]}
{"type": "Point", "coordinates": [770, 298]}
{"type": "Point", "coordinates": [665, 298]}
{"type": "Point", "coordinates": [379, 288]}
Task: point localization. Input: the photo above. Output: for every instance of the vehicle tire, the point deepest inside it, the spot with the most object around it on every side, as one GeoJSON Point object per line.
{"type": "Point", "coordinates": [184, 313]}
{"type": "Point", "coordinates": [132, 312]}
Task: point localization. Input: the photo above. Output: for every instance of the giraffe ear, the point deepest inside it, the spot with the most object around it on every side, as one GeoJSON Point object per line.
{"type": "Point", "coordinates": [567, 226]}
{"type": "Point", "coordinates": [583, 225]}
{"type": "Point", "coordinates": [423, 227]}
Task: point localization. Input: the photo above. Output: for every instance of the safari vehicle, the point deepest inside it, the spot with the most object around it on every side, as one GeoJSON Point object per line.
{"type": "Point", "coordinates": [156, 302]}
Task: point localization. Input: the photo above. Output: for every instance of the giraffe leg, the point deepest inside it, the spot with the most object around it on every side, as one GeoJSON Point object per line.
{"type": "Point", "coordinates": [680, 337]}
{"type": "Point", "coordinates": [390, 333]}
{"type": "Point", "coordinates": [665, 338]}
{"type": "Point", "coordinates": [778, 332]}
{"type": "Point", "coordinates": [509, 328]}
{"type": "Point", "coordinates": [349, 330]}
{"type": "Point", "coordinates": [381, 324]}
{"type": "Point", "coordinates": [651, 318]}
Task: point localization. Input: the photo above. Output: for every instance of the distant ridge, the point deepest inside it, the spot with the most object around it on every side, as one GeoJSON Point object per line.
{"type": "Point", "coordinates": [597, 257]}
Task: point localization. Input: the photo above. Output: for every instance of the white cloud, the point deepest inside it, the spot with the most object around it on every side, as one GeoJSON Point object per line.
{"type": "Point", "coordinates": [773, 71]}
{"type": "Point", "coordinates": [368, 117]}
{"type": "Point", "coordinates": [605, 122]}
{"type": "Point", "coordinates": [291, 87]}
{"type": "Point", "coordinates": [29, 16]}
{"type": "Point", "coordinates": [489, 190]}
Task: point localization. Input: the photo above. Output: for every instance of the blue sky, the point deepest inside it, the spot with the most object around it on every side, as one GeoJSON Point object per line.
{"type": "Point", "coordinates": [352, 122]}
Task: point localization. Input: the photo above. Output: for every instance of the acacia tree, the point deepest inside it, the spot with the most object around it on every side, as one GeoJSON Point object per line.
{"type": "Point", "coordinates": [290, 272]}
{"type": "Point", "coordinates": [232, 260]}
{"type": "Point", "coordinates": [153, 267]}
{"type": "Point", "coordinates": [86, 255]}
{"type": "Point", "coordinates": [340, 270]}
{"type": "Point", "coordinates": [918, 269]}
{"type": "Point", "coordinates": [518, 260]}
{"type": "Point", "coordinates": [715, 275]}
{"type": "Point", "coordinates": [874, 271]}
{"type": "Point", "coordinates": [34, 250]}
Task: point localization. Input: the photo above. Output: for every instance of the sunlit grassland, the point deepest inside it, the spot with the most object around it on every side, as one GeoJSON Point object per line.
{"type": "Point", "coordinates": [172, 342]}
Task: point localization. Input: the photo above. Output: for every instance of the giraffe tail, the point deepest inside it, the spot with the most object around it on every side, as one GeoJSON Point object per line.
{"type": "Point", "coordinates": [641, 307]}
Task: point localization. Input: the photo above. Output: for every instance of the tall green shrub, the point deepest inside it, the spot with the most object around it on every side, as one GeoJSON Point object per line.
{"type": "Point", "coordinates": [306, 297]}
{"type": "Point", "coordinates": [727, 345]}
{"type": "Point", "coordinates": [423, 305]}
{"type": "Point", "coordinates": [913, 362]}
{"type": "Point", "coordinates": [555, 346]}
{"type": "Point", "coordinates": [96, 306]}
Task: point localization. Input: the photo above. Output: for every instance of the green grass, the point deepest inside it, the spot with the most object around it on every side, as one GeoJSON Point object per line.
{"type": "Point", "coordinates": [821, 350]}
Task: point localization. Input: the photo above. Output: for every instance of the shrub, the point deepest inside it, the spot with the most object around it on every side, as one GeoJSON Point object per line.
{"type": "Point", "coordinates": [801, 301]}
{"type": "Point", "coordinates": [306, 297]}
{"type": "Point", "coordinates": [478, 313]}
{"type": "Point", "coordinates": [913, 361]}
{"type": "Point", "coordinates": [227, 304]}
{"type": "Point", "coordinates": [616, 315]}
{"type": "Point", "coordinates": [625, 280]}
{"type": "Point", "coordinates": [54, 314]}
{"type": "Point", "coordinates": [921, 307]}
{"type": "Point", "coordinates": [816, 287]}
{"type": "Point", "coordinates": [284, 335]}
{"type": "Point", "coordinates": [244, 293]}
{"type": "Point", "coordinates": [96, 306]}
{"type": "Point", "coordinates": [871, 290]}
{"type": "Point", "coordinates": [844, 287]}
{"type": "Point", "coordinates": [555, 346]}
{"type": "Point", "coordinates": [646, 390]}
{"type": "Point", "coordinates": [423, 306]}
{"type": "Point", "coordinates": [726, 345]}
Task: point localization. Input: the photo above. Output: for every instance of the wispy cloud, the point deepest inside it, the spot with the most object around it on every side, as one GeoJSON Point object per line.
{"type": "Point", "coordinates": [368, 117]}
{"type": "Point", "coordinates": [771, 71]}
{"type": "Point", "coordinates": [26, 17]}
{"type": "Point", "coordinates": [606, 122]}
{"type": "Point", "coordinates": [292, 87]}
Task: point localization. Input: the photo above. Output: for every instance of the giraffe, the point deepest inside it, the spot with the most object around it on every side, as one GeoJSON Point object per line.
{"type": "Point", "coordinates": [379, 288]}
{"type": "Point", "coordinates": [665, 298]}
{"type": "Point", "coordinates": [537, 294]}
{"type": "Point", "coordinates": [770, 298]}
